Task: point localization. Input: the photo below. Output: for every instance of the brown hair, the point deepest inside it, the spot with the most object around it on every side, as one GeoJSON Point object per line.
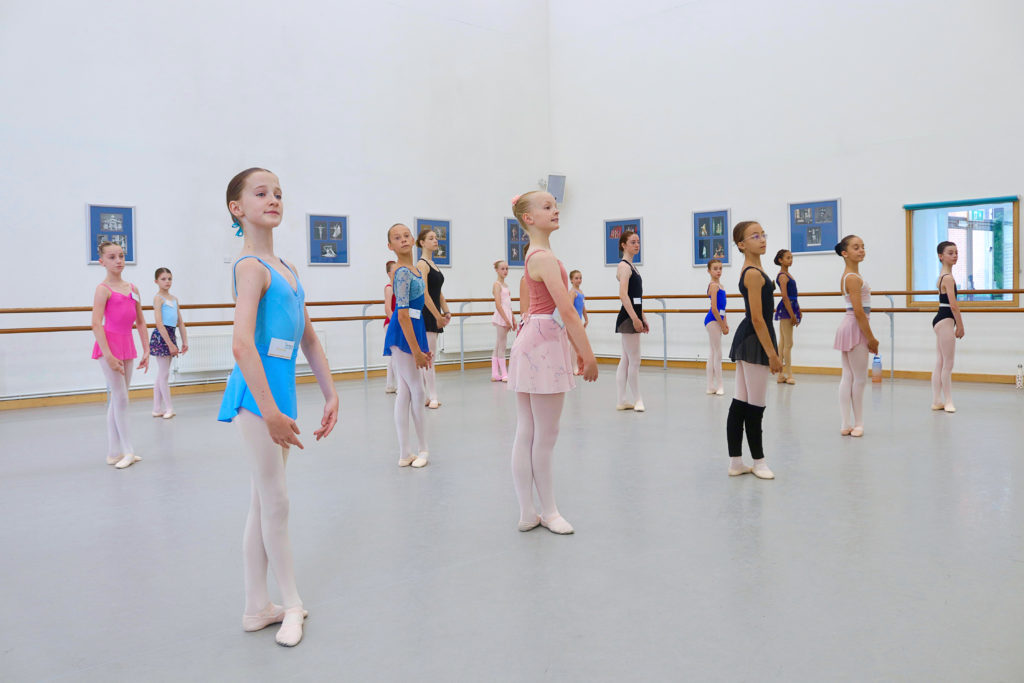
{"type": "Point", "coordinates": [236, 186]}
{"type": "Point", "coordinates": [387, 266]}
{"type": "Point", "coordinates": [161, 271]}
{"type": "Point", "coordinates": [623, 238]}
{"type": "Point", "coordinates": [395, 226]}
{"type": "Point", "coordinates": [106, 243]}
{"type": "Point", "coordinates": [574, 272]}
{"type": "Point", "coordinates": [741, 227]}
{"type": "Point", "coordinates": [423, 235]}
{"type": "Point", "coordinates": [712, 262]}
{"type": "Point", "coordinates": [521, 205]}
{"type": "Point", "coordinates": [843, 243]}
{"type": "Point", "coordinates": [942, 246]}
{"type": "Point", "coordinates": [779, 255]}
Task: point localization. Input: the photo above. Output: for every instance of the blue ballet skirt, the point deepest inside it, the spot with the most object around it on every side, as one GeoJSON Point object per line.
{"type": "Point", "coordinates": [281, 317]}
{"type": "Point", "coordinates": [409, 290]}
{"type": "Point", "coordinates": [720, 303]}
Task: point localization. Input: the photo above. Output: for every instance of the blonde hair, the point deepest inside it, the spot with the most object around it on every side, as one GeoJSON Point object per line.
{"type": "Point", "coordinates": [498, 263]}
{"type": "Point", "coordinates": [106, 243]}
{"type": "Point", "coordinates": [522, 205]}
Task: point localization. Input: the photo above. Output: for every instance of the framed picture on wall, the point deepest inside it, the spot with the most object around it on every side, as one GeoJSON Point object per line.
{"type": "Point", "coordinates": [111, 224]}
{"type": "Point", "coordinates": [613, 229]}
{"type": "Point", "coordinates": [443, 229]}
{"type": "Point", "coordinates": [327, 239]}
{"type": "Point", "coordinates": [710, 237]}
{"type": "Point", "coordinates": [516, 243]}
{"type": "Point", "coordinates": [814, 227]}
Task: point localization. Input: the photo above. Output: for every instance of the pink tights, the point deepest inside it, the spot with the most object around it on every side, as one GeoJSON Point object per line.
{"type": "Point", "coordinates": [851, 386]}
{"type": "Point", "coordinates": [161, 387]}
{"type": "Point", "coordinates": [714, 365]}
{"type": "Point", "coordinates": [118, 441]}
{"type": "Point", "coordinates": [265, 541]}
{"type": "Point", "coordinates": [536, 433]}
{"type": "Point", "coordinates": [752, 383]}
{"type": "Point", "coordinates": [408, 401]}
{"type": "Point", "coordinates": [945, 350]}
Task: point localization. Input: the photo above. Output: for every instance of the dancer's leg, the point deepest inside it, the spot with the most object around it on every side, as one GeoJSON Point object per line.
{"type": "Point", "coordinates": [118, 441]}
{"type": "Point", "coordinates": [161, 386]}
{"type": "Point", "coordinates": [621, 371]}
{"type": "Point", "coordinates": [945, 352]}
{"type": "Point", "coordinates": [846, 391]}
{"type": "Point", "coordinates": [714, 365]}
{"type": "Point", "coordinates": [547, 411]}
{"type": "Point", "coordinates": [429, 376]}
{"type": "Point", "coordinates": [409, 400]}
{"type": "Point", "coordinates": [734, 424]}
{"type": "Point", "coordinates": [389, 381]}
{"type": "Point", "coordinates": [522, 462]}
{"type": "Point", "coordinates": [755, 377]}
{"type": "Point", "coordinates": [267, 461]}
{"type": "Point", "coordinates": [631, 346]}
{"type": "Point", "coordinates": [786, 348]}
{"type": "Point", "coordinates": [859, 366]}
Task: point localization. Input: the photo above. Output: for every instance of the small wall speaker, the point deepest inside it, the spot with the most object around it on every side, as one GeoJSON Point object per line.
{"type": "Point", "coordinates": [556, 186]}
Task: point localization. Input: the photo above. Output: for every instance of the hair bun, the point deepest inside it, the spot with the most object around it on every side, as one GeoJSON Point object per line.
{"type": "Point", "coordinates": [839, 248]}
{"type": "Point", "coordinates": [515, 199]}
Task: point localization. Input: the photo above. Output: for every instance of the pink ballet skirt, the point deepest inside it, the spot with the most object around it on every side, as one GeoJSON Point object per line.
{"type": "Point", "coordinates": [506, 305]}
{"type": "Point", "coordinates": [118, 318]}
{"type": "Point", "coordinates": [540, 362]}
{"type": "Point", "coordinates": [849, 335]}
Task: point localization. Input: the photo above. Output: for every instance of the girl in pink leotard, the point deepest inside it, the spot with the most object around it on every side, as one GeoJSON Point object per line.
{"type": "Point", "coordinates": [116, 305]}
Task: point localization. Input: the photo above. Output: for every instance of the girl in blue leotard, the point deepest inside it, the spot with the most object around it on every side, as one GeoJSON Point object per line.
{"type": "Point", "coordinates": [405, 342]}
{"type": "Point", "coordinates": [579, 302]}
{"type": "Point", "coordinates": [787, 313]}
{"type": "Point", "coordinates": [270, 322]}
{"type": "Point", "coordinates": [716, 326]}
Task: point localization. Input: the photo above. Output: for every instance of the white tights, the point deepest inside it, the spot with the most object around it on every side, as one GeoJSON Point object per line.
{"type": "Point", "coordinates": [429, 376]}
{"type": "Point", "coordinates": [851, 386]}
{"type": "Point", "coordinates": [945, 350]}
{"type": "Point", "coordinates": [408, 400]}
{"type": "Point", "coordinates": [161, 387]}
{"type": "Point", "coordinates": [265, 541]}
{"type": "Point", "coordinates": [714, 365]}
{"type": "Point", "coordinates": [118, 441]}
{"type": "Point", "coordinates": [390, 381]}
{"type": "Point", "coordinates": [629, 368]}
{"type": "Point", "coordinates": [752, 383]}
{"type": "Point", "coordinates": [537, 417]}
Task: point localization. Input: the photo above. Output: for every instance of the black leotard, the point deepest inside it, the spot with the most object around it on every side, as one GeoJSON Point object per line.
{"type": "Point", "coordinates": [435, 278]}
{"type": "Point", "coordinates": [635, 290]}
{"type": "Point", "coordinates": [944, 310]}
{"type": "Point", "coordinates": [745, 345]}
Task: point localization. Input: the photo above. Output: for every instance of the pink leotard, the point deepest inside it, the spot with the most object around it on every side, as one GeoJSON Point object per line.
{"type": "Point", "coordinates": [118, 316]}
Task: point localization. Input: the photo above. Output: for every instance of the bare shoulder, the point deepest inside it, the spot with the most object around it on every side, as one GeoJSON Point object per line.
{"type": "Point", "coordinates": [753, 278]}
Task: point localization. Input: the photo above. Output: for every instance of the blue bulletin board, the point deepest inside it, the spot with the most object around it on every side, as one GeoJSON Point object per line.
{"type": "Point", "coordinates": [814, 227]}
{"type": "Point", "coordinates": [112, 224]}
{"type": "Point", "coordinates": [516, 243]}
{"type": "Point", "coordinates": [443, 230]}
{"type": "Point", "coordinates": [710, 237]}
{"type": "Point", "coordinates": [612, 231]}
{"type": "Point", "coordinates": [328, 240]}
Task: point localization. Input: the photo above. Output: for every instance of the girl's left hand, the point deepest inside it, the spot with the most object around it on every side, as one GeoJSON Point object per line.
{"type": "Point", "coordinates": [796, 320]}
{"type": "Point", "coordinates": [184, 347]}
{"type": "Point", "coordinates": [144, 363]}
{"type": "Point", "coordinates": [647, 328]}
{"type": "Point", "coordinates": [330, 418]}
{"type": "Point", "coordinates": [959, 332]}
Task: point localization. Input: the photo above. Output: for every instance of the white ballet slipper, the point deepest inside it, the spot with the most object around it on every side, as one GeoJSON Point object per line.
{"type": "Point", "coordinates": [127, 460]}
{"type": "Point", "coordinates": [390, 390]}
{"type": "Point", "coordinates": [949, 407]}
{"type": "Point", "coordinates": [434, 404]}
{"type": "Point", "coordinates": [761, 470]}
{"type": "Point", "coordinates": [156, 414]}
{"type": "Point", "coordinates": [406, 461]}
{"type": "Point", "coordinates": [527, 526]}
{"type": "Point", "coordinates": [720, 392]}
{"type": "Point", "coordinates": [169, 414]}
{"type": "Point", "coordinates": [290, 632]}
{"type": "Point", "coordinates": [624, 406]}
{"type": "Point", "coordinates": [114, 459]}
{"type": "Point", "coordinates": [639, 407]}
{"type": "Point", "coordinates": [738, 467]}
{"type": "Point", "coordinates": [938, 406]}
{"type": "Point", "coordinates": [710, 392]}
{"type": "Point", "coordinates": [271, 614]}
{"type": "Point", "coordinates": [857, 431]}
{"type": "Point", "coordinates": [421, 460]}
{"type": "Point", "coordinates": [557, 525]}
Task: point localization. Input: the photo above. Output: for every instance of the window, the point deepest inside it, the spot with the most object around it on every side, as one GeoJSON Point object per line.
{"type": "Point", "coordinates": [986, 234]}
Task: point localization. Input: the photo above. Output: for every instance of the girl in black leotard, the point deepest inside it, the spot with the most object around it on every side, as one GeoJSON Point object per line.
{"type": "Point", "coordinates": [948, 327]}
{"type": "Point", "coordinates": [755, 351]}
{"type": "Point", "coordinates": [435, 309]}
{"type": "Point", "coordinates": [630, 323]}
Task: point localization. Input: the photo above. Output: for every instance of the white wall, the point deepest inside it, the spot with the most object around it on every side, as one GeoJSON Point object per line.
{"type": "Point", "coordinates": [663, 108]}
{"type": "Point", "coordinates": [378, 111]}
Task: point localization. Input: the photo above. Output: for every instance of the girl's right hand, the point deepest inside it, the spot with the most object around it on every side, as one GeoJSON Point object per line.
{"type": "Point", "coordinates": [959, 332]}
{"type": "Point", "coordinates": [775, 364]}
{"type": "Point", "coordinates": [590, 370]}
{"type": "Point", "coordinates": [173, 349]}
{"type": "Point", "coordinates": [873, 345]}
{"type": "Point", "coordinates": [116, 364]}
{"type": "Point", "coordinates": [422, 359]}
{"type": "Point", "coordinates": [282, 429]}
{"type": "Point", "coordinates": [725, 327]}
{"type": "Point", "coordinates": [638, 325]}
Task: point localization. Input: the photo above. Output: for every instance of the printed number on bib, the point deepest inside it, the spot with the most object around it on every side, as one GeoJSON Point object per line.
{"type": "Point", "coordinates": [637, 301]}
{"type": "Point", "coordinates": [281, 348]}
{"type": "Point", "coordinates": [415, 313]}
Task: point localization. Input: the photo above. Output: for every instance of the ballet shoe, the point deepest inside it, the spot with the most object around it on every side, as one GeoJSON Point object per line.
{"type": "Point", "coordinates": [557, 525]}
{"type": "Point", "coordinates": [271, 614]}
{"type": "Point", "coordinates": [114, 459]}
{"type": "Point", "coordinates": [156, 414]}
{"type": "Point", "coordinates": [390, 390]}
{"type": "Point", "coordinates": [845, 431]}
{"type": "Point", "coordinates": [790, 380]}
{"type": "Point", "coordinates": [505, 378]}
{"type": "Point", "coordinates": [938, 406]}
{"type": "Point", "coordinates": [742, 469]}
{"type": "Point", "coordinates": [169, 414]}
{"type": "Point", "coordinates": [857, 431]}
{"type": "Point", "coordinates": [780, 380]}
{"type": "Point", "coordinates": [434, 404]}
{"type": "Point", "coordinates": [761, 471]}
{"type": "Point", "coordinates": [720, 392]}
{"type": "Point", "coordinates": [405, 462]}
{"type": "Point", "coordinates": [127, 460]}
{"type": "Point", "coordinates": [290, 632]}
{"type": "Point", "coordinates": [710, 392]}
{"type": "Point", "coordinates": [421, 460]}
{"type": "Point", "coordinates": [624, 406]}
{"type": "Point", "coordinates": [639, 407]}
{"type": "Point", "coordinates": [949, 407]}
{"type": "Point", "coordinates": [527, 526]}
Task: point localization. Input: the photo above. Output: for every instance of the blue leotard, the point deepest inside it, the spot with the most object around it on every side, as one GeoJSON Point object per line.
{"type": "Point", "coordinates": [169, 312]}
{"type": "Point", "coordinates": [409, 289]}
{"type": "Point", "coordinates": [780, 311]}
{"type": "Point", "coordinates": [577, 303]}
{"type": "Point", "coordinates": [281, 317]}
{"type": "Point", "coordinates": [720, 303]}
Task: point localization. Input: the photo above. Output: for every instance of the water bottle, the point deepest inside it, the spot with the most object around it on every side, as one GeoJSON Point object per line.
{"type": "Point", "coordinates": [876, 369]}
{"type": "Point", "coordinates": [1020, 375]}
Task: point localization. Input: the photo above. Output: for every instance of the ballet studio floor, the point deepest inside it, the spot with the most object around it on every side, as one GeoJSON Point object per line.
{"type": "Point", "coordinates": [894, 557]}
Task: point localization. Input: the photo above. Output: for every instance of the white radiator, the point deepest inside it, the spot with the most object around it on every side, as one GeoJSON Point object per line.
{"type": "Point", "coordinates": [212, 353]}
{"type": "Point", "coordinates": [479, 336]}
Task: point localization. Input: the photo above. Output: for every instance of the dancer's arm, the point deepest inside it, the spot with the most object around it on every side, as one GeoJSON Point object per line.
{"type": "Point", "coordinates": [713, 295]}
{"type": "Point", "coordinates": [586, 318]}
{"type": "Point", "coordinates": [388, 312]}
{"type": "Point", "coordinates": [424, 269]}
{"type": "Point", "coordinates": [622, 273]}
{"type": "Point", "coordinates": [181, 328]}
{"type": "Point", "coordinates": [158, 318]}
{"type": "Point", "coordinates": [783, 282]}
{"type": "Point", "coordinates": [251, 280]}
{"type": "Point", "coordinates": [950, 288]}
{"type": "Point", "coordinates": [858, 310]}
{"type": "Point", "coordinates": [496, 291]}
{"type": "Point", "coordinates": [544, 266]}
{"type": "Point", "coordinates": [140, 326]}
{"type": "Point", "coordinates": [445, 311]}
{"type": "Point", "coordinates": [753, 281]}
{"type": "Point", "coordinates": [317, 359]}
{"type": "Point", "coordinates": [403, 285]}
{"type": "Point", "coordinates": [524, 299]}
{"type": "Point", "coordinates": [99, 305]}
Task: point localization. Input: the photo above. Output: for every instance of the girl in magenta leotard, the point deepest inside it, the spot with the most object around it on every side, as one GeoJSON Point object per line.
{"type": "Point", "coordinates": [116, 305]}
{"type": "Point", "coordinates": [540, 371]}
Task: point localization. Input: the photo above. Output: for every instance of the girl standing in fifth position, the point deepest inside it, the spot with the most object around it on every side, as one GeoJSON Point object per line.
{"type": "Point", "coordinates": [540, 370]}
{"type": "Point", "coordinates": [406, 344]}
{"type": "Point", "coordinates": [854, 338]}
{"type": "Point", "coordinates": [716, 326]}
{"type": "Point", "coordinates": [630, 323]}
{"type": "Point", "coordinates": [163, 343]}
{"type": "Point", "coordinates": [948, 327]}
{"type": "Point", "coordinates": [270, 320]}
{"type": "Point", "coordinates": [116, 305]}
{"type": "Point", "coordinates": [579, 302]}
{"type": "Point", "coordinates": [755, 351]}
{"type": "Point", "coordinates": [503, 321]}
{"type": "Point", "coordinates": [787, 313]}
